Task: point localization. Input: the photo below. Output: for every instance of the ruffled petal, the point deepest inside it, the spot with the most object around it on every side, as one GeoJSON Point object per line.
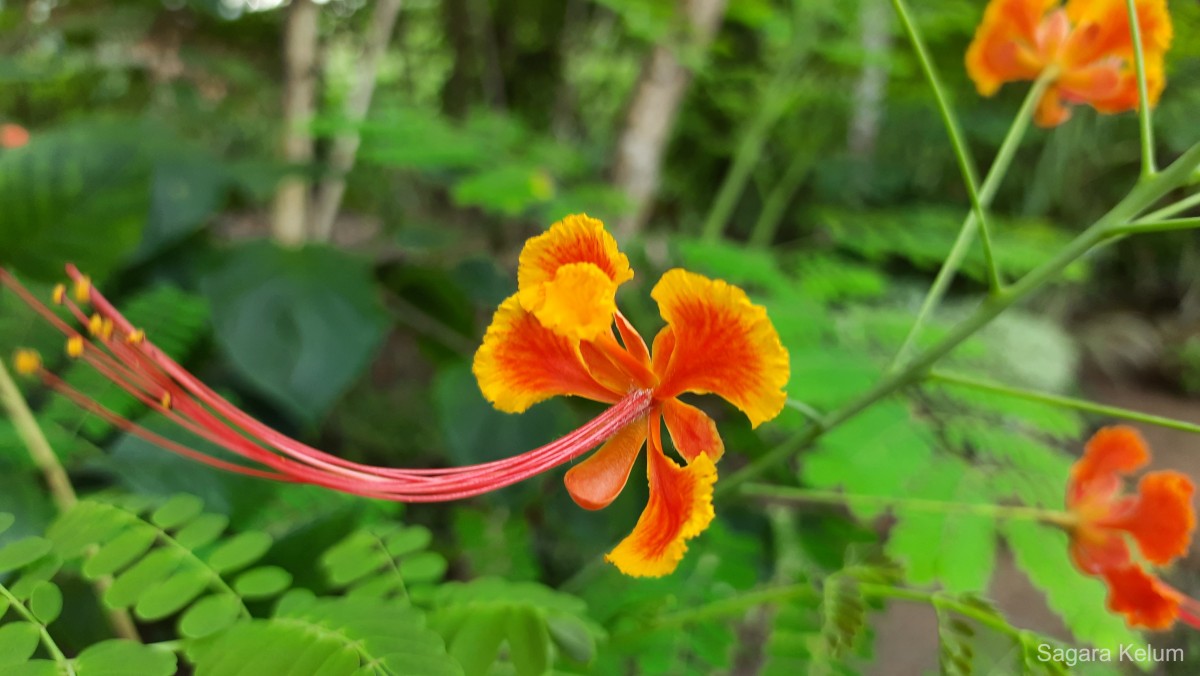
{"type": "Point", "coordinates": [721, 343]}
{"type": "Point", "coordinates": [1110, 453]}
{"type": "Point", "coordinates": [1051, 111]}
{"type": "Point", "coordinates": [1163, 518]}
{"type": "Point", "coordinates": [1141, 598]}
{"type": "Point", "coordinates": [1005, 47]}
{"type": "Point", "coordinates": [522, 362]}
{"type": "Point", "coordinates": [1102, 30]}
{"type": "Point", "coordinates": [1094, 550]}
{"type": "Point", "coordinates": [568, 277]}
{"type": "Point", "coordinates": [692, 431]}
{"type": "Point", "coordinates": [598, 480]}
{"type": "Point", "coordinates": [680, 508]}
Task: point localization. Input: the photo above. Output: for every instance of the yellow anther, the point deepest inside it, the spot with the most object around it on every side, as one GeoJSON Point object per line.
{"type": "Point", "coordinates": [136, 337]}
{"type": "Point", "coordinates": [59, 294]}
{"type": "Point", "coordinates": [27, 362]}
{"type": "Point", "coordinates": [106, 329]}
{"type": "Point", "coordinates": [166, 400]}
{"type": "Point", "coordinates": [95, 325]}
{"type": "Point", "coordinates": [83, 289]}
{"type": "Point", "coordinates": [75, 347]}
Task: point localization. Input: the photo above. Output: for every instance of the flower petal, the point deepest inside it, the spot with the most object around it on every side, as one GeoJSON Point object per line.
{"type": "Point", "coordinates": [1109, 454]}
{"type": "Point", "coordinates": [1005, 45]}
{"type": "Point", "coordinates": [1094, 550]}
{"type": "Point", "coordinates": [598, 480]}
{"type": "Point", "coordinates": [1163, 518]}
{"type": "Point", "coordinates": [1141, 598]}
{"type": "Point", "coordinates": [522, 362]}
{"type": "Point", "coordinates": [1051, 111]}
{"type": "Point", "coordinates": [1102, 30]}
{"type": "Point", "coordinates": [680, 508]}
{"type": "Point", "coordinates": [721, 343]}
{"type": "Point", "coordinates": [692, 431]}
{"type": "Point", "coordinates": [568, 277]}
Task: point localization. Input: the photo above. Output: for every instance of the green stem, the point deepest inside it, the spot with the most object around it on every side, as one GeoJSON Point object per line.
{"type": "Point", "coordinates": [1143, 194]}
{"type": "Point", "coordinates": [1172, 209]}
{"type": "Point", "coordinates": [950, 120]}
{"type": "Point", "coordinates": [807, 495]}
{"type": "Point", "coordinates": [61, 490]}
{"type": "Point", "coordinates": [1144, 226]}
{"type": "Point", "coordinates": [941, 602]}
{"type": "Point", "coordinates": [735, 605]}
{"type": "Point", "coordinates": [958, 252]}
{"type": "Point", "coordinates": [56, 653]}
{"type": "Point", "coordinates": [1061, 401]}
{"type": "Point", "coordinates": [772, 106]}
{"type": "Point", "coordinates": [777, 200]}
{"type": "Point", "coordinates": [1145, 116]}
{"type": "Point", "coordinates": [810, 413]}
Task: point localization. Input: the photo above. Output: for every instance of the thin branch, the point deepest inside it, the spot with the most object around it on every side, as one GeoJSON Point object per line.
{"type": "Point", "coordinates": [1061, 401]}
{"type": "Point", "coordinates": [958, 252]}
{"type": "Point", "coordinates": [961, 152]}
{"type": "Point", "coordinates": [1145, 116]}
{"type": "Point", "coordinates": [57, 481]}
{"type": "Point", "coordinates": [328, 199]}
{"type": "Point", "coordinates": [994, 511]}
{"type": "Point", "coordinates": [1143, 226]}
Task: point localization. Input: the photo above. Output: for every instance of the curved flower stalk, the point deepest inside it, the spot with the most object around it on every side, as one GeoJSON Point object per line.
{"type": "Point", "coordinates": [1084, 49]}
{"type": "Point", "coordinates": [1159, 518]}
{"type": "Point", "coordinates": [556, 336]}
{"type": "Point", "coordinates": [125, 355]}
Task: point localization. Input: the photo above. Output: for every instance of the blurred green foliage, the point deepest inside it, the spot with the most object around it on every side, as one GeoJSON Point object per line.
{"type": "Point", "coordinates": [152, 165]}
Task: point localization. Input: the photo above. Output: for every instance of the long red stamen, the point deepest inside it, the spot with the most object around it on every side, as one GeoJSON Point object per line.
{"type": "Point", "coordinates": [125, 357]}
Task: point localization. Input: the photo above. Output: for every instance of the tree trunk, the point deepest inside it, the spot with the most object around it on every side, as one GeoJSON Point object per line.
{"type": "Point", "coordinates": [290, 218]}
{"type": "Point", "coordinates": [875, 29]}
{"type": "Point", "coordinates": [652, 113]}
{"type": "Point", "coordinates": [345, 147]}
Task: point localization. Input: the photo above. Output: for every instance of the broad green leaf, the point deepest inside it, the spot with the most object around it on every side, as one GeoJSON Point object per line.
{"type": "Point", "coordinates": [34, 668]}
{"type": "Point", "coordinates": [239, 551]}
{"type": "Point", "coordinates": [172, 594]}
{"type": "Point", "coordinates": [528, 641]}
{"type": "Point", "coordinates": [262, 582]}
{"type": "Point", "coordinates": [18, 641]}
{"type": "Point", "coordinates": [955, 549]}
{"type": "Point", "coordinates": [572, 638]}
{"type": "Point", "coordinates": [423, 567]}
{"type": "Point", "coordinates": [408, 540]}
{"type": "Point", "coordinates": [203, 530]}
{"type": "Point", "coordinates": [78, 195]}
{"type": "Point", "coordinates": [120, 551]}
{"type": "Point", "coordinates": [23, 552]}
{"type": "Point", "coordinates": [128, 587]}
{"type": "Point", "coordinates": [282, 316]}
{"type": "Point", "coordinates": [210, 615]}
{"type": "Point", "coordinates": [46, 602]}
{"type": "Point", "coordinates": [477, 642]}
{"type": "Point", "coordinates": [121, 657]}
{"type": "Point", "coordinates": [40, 571]}
{"type": "Point", "coordinates": [177, 511]}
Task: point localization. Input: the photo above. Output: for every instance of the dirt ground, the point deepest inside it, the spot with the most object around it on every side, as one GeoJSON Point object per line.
{"type": "Point", "coordinates": [906, 635]}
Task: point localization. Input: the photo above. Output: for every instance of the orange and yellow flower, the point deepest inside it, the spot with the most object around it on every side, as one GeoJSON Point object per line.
{"type": "Point", "coordinates": [556, 336]}
{"type": "Point", "coordinates": [1159, 518]}
{"type": "Point", "coordinates": [1085, 47]}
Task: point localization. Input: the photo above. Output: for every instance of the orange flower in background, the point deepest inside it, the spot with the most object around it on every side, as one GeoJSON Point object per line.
{"type": "Point", "coordinates": [13, 135]}
{"type": "Point", "coordinates": [1159, 518]}
{"type": "Point", "coordinates": [556, 336]}
{"type": "Point", "coordinates": [1085, 47]}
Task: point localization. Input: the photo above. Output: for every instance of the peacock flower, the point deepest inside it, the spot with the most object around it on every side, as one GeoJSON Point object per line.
{"type": "Point", "coordinates": [1159, 519]}
{"type": "Point", "coordinates": [1085, 48]}
{"type": "Point", "coordinates": [102, 338]}
{"type": "Point", "coordinates": [13, 136]}
{"type": "Point", "coordinates": [715, 341]}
